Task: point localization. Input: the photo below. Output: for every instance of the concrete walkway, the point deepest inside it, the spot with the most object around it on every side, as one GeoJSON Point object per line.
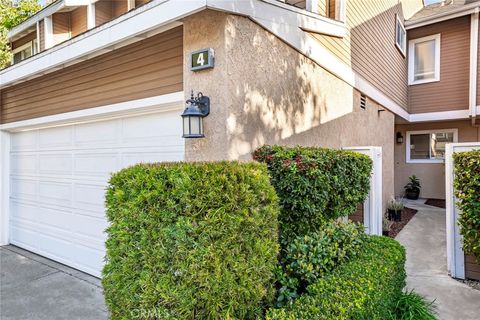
{"type": "Point", "coordinates": [33, 287]}
{"type": "Point", "coordinates": [424, 237]}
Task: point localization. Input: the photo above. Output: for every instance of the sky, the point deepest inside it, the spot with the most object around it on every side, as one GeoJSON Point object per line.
{"type": "Point", "coordinates": [427, 2]}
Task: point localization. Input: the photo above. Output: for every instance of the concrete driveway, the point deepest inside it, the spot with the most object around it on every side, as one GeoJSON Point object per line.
{"type": "Point", "coordinates": [33, 287]}
{"type": "Point", "coordinates": [424, 237]}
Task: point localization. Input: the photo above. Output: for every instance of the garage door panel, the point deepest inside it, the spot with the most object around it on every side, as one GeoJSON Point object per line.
{"type": "Point", "coordinates": [23, 189]}
{"type": "Point", "coordinates": [89, 226]}
{"type": "Point", "coordinates": [96, 164]}
{"type": "Point", "coordinates": [149, 127]}
{"type": "Point", "coordinates": [23, 212]}
{"type": "Point", "coordinates": [90, 198]}
{"type": "Point", "coordinates": [55, 137]}
{"type": "Point", "coordinates": [24, 141]}
{"type": "Point", "coordinates": [59, 177]}
{"type": "Point", "coordinates": [50, 244]}
{"type": "Point", "coordinates": [129, 159]}
{"type": "Point", "coordinates": [55, 163]}
{"type": "Point", "coordinates": [23, 164]}
{"type": "Point", "coordinates": [95, 133]}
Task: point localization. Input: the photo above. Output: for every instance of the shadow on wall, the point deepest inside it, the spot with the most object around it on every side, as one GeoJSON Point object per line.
{"type": "Point", "coordinates": [284, 98]}
{"type": "Point", "coordinates": [279, 95]}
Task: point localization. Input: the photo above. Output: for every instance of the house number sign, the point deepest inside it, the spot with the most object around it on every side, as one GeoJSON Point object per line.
{"type": "Point", "coordinates": [202, 59]}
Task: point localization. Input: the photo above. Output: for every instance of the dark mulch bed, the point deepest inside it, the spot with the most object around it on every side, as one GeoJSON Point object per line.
{"type": "Point", "coordinates": [440, 203]}
{"type": "Point", "coordinates": [397, 226]}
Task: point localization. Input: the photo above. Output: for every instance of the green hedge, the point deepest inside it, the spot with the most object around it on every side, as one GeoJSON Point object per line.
{"type": "Point", "coordinates": [315, 185]}
{"type": "Point", "coordinates": [467, 191]}
{"type": "Point", "coordinates": [366, 287]}
{"type": "Point", "coordinates": [310, 257]}
{"type": "Point", "coordinates": [191, 241]}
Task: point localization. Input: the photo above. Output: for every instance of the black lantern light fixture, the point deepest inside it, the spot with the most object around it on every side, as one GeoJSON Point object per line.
{"type": "Point", "coordinates": [197, 108]}
{"type": "Point", "coordinates": [399, 137]}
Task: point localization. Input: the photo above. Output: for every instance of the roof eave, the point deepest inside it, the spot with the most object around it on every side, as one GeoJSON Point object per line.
{"type": "Point", "coordinates": [434, 18]}
{"type": "Point", "coordinates": [45, 12]}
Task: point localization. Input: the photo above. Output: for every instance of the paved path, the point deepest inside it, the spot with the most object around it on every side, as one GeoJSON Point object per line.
{"type": "Point", "coordinates": [32, 287]}
{"type": "Point", "coordinates": [425, 240]}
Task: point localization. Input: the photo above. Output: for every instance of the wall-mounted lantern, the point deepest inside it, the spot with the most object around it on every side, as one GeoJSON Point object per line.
{"type": "Point", "coordinates": [197, 108]}
{"type": "Point", "coordinates": [399, 138]}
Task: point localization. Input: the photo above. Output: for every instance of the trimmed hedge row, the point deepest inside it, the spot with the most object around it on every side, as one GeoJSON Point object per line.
{"type": "Point", "coordinates": [366, 287]}
{"type": "Point", "coordinates": [467, 191]}
{"type": "Point", "coordinates": [315, 185]}
{"type": "Point", "coordinates": [191, 241]}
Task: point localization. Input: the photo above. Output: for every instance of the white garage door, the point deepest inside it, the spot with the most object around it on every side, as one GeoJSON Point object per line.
{"type": "Point", "coordinates": [59, 175]}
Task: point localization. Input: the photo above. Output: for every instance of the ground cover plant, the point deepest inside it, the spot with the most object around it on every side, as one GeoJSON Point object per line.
{"type": "Point", "coordinates": [367, 287]}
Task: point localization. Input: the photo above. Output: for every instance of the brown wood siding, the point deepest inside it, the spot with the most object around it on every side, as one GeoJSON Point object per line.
{"type": "Point", "coordinates": [61, 27]}
{"type": "Point", "coordinates": [151, 67]}
{"type": "Point", "coordinates": [370, 38]}
{"type": "Point", "coordinates": [451, 92]}
{"type": "Point", "coordinates": [357, 216]}
{"type": "Point", "coordinates": [79, 20]}
{"type": "Point", "coordinates": [297, 3]}
{"type": "Point", "coordinates": [20, 42]}
{"type": "Point", "coordinates": [472, 268]}
{"type": "Point", "coordinates": [119, 7]}
{"type": "Point", "coordinates": [42, 35]}
{"type": "Point", "coordinates": [140, 2]}
{"type": "Point", "coordinates": [331, 9]}
{"type": "Point", "coordinates": [103, 12]}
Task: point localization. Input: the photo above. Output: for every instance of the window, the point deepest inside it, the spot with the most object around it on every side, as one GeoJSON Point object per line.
{"type": "Point", "coordinates": [400, 36]}
{"type": "Point", "coordinates": [429, 146]}
{"type": "Point", "coordinates": [24, 52]}
{"type": "Point", "coordinates": [424, 60]}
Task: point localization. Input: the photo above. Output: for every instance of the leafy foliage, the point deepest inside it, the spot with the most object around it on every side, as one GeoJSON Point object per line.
{"type": "Point", "coordinates": [191, 241]}
{"type": "Point", "coordinates": [366, 287]}
{"type": "Point", "coordinates": [412, 306]}
{"type": "Point", "coordinates": [467, 191]}
{"type": "Point", "coordinates": [315, 185]}
{"type": "Point", "coordinates": [310, 257]}
{"type": "Point", "coordinates": [12, 13]}
{"type": "Point", "coordinates": [413, 185]}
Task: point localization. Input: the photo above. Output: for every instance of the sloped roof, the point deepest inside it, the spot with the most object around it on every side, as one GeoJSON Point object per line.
{"type": "Point", "coordinates": [439, 8]}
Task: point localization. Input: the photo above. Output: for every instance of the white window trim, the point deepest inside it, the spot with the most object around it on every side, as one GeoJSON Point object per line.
{"type": "Point", "coordinates": [411, 55]}
{"type": "Point", "coordinates": [341, 10]}
{"type": "Point", "coordinates": [398, 22]}
{"type": "Point", "coordinates": [29, 44]}
{"type": "Point", "coordinates": [407, 144]}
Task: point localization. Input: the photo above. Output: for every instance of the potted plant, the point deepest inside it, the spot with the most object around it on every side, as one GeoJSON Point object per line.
{"type": "Point", "coordinates": [395, 208]}
{"type": "Point", "coordinates": [412, 189]}
{"type": "Point", "coordinates": [386, 225]}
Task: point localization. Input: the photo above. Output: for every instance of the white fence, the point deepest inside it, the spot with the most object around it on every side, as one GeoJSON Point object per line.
{"type": "Point", "coordinates": [455, 254]}
{"type": "Point", "coordinates": [373, 207]}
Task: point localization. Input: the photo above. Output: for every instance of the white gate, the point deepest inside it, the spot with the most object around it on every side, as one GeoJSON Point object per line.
{"type": "Point", "coordinates": [373, 208]}
{"type": "Point", "coordinates": [455, 255]}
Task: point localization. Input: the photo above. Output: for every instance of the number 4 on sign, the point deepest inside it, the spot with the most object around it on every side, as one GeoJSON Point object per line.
{"type": "Point", "coordinates": [200, 59]}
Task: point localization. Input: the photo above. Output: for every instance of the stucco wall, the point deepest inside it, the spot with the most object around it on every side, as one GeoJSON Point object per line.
{"type": "Point", "coordinates": [431, 175]}
{"type": "Point", "coordinates": [264, 92]}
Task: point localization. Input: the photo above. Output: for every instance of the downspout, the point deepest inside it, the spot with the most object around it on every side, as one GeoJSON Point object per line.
{"type": "Point", "coordinates": [472, 101]}
{"type": "Point", "coordinates": [473, 71]}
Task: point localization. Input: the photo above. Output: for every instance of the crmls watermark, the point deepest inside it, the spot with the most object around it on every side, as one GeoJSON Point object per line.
{"type": "Point", "coordinates": [148, 314]}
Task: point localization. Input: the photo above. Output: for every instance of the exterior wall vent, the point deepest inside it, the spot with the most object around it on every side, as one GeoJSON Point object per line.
{"type": "Point", "coordinates": [363, 101]}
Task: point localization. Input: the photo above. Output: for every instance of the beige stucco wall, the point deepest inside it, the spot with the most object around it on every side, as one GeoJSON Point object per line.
{"type": "Point", "coordinates": [264, 92]}
{"type": "Point", "coordinates": [431, 175]}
